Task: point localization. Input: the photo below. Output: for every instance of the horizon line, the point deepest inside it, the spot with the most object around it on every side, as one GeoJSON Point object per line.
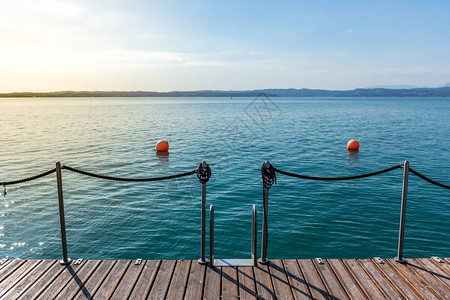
{"type": "Point", "coordinates": [390, 87]}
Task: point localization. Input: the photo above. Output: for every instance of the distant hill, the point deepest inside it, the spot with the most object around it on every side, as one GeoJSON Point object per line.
{"type": "Point", "coordinates": [366, 92]}
{"type": "Point", "coordinates": [376, 92]}
{"type": "Point", "coordinates": [394, 87]}
{"type": "Point", "coordinates": [403, 87]}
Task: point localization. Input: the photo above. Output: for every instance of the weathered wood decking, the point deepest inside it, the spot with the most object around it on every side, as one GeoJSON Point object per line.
{"type": "Point", "coordinates": [421, 278]}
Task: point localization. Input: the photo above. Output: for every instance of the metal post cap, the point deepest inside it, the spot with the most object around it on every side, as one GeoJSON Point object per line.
{"type": "Point", "coordinates": [203, 172]}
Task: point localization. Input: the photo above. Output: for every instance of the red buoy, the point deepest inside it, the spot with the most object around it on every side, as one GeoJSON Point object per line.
{"type": "Point", "coordinates": [162, 145]}
{"type": "Point", "coordinates": [353, 145]}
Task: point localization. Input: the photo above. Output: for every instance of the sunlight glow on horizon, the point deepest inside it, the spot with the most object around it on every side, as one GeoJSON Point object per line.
{"type": "Point", "coordinates": [49, 45]}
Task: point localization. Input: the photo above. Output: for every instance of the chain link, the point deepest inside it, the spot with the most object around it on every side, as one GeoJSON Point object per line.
{"type": "Point", "coordinates": [338, 178]}
{"type": "Point", "coordinates": [429, 180]}
{"type": "Point", "coordinates": [5, 183]}
{"type": "Point", "coordinates": [127, 179]}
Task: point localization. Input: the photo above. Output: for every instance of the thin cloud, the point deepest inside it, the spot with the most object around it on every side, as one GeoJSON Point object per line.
{"type": "Point", "coordinates": [350, 31]}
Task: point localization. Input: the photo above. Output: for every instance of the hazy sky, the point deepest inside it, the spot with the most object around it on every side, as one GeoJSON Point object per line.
{"type": "Point", "coordinates": [191, 45]}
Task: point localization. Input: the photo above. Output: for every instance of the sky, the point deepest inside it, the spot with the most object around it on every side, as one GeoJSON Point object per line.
{"type": "Point", "coordinates": [55, 45]}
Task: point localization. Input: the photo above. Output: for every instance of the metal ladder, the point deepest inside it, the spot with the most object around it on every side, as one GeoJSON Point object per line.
{"type": "Point", "coordinates": [232, 262]}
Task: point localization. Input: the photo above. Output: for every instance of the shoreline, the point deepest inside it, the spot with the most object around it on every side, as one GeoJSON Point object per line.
{"type": "Point", "coordinates": [376, 92]}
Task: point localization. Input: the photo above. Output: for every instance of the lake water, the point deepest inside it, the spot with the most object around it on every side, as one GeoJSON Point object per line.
{"type": "Point", "coordinates": [161, 220]}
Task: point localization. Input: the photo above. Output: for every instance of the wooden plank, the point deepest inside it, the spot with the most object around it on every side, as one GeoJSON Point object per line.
{"type": "Point", "coordinates": [297, 282]}
{"type": "Point", "coordinates": [281, 279]}
{"type": "Point", "coordinates": [421, 287]}
{"type": "Point", "coordinates": [435, 271]}
{"type": "Point", "coordinates": [367, 285]}
{"type": "Point", "coordinates": [10, 268]}
{"type": "Point", "coordinates": [264, 287]}
{"type": "Point", "coordinates": [383, 283]}
{"type": "Point", "coordinates": [246, 278]}
{"type": "Point", "coordinates": [194, 289]}
{"type": "Point", "coordinates": [128, 281]}
{"type": "Point", "coordinates": [162, 281]}
{"type": "Point", "coordinates": [7, 262]}
{"type": "Point", "coordinates": [179, 280]}
{"type": "Point", "coordinates": [346, 279]}
{"type": "Point", "coordinates": [280, 282]}
{"type": "Point", "coordinates": [20, 287]}
{"type": "Point", "coordinates": [17, 276]}
{"type": "Point", "coordinates": [145, 281]}
{"type": "Point", "coordinates": [313, 280]}
{"type": "Point", "coordinates": [437, 286]}
{"type": "Point", "coordinates": [78, 283]}
{"type": "Point", "coordinates": [402, 286]}
{"type": "Point", "coordinates": [444, 266]}
{"type": "Point", "coordinates": [333, 286]}
{"type": "Point", "coordinates": [230, 288]}
{"type": "Point", "coordinates": [212, 283]}
{"type": "Point", "coordinates": [63, 279]}
{"type": "Point", "coordinates": [43, 281]}
{"type": "Point", "coordinates": [109, 284]}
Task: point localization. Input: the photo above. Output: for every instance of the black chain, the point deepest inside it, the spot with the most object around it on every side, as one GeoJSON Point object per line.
{"type": "Point", "coordinates": [429, 180]}
{"type": "Point", "coordinates": [338, 178]}
{"type": "Point", "coordinates": [127, 179]}
{"type": "Point", "coordinates": [203, 172]}
{"type": "Point", "coordinates": [5, 183]}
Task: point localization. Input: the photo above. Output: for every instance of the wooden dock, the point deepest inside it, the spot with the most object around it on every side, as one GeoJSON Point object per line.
{"type": "Point", "coordinates": [420, 278]}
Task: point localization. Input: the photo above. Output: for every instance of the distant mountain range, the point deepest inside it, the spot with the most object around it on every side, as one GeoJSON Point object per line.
{"type": "Point", "coordinates": [361, 92]}
{"type": "Point", "coordinates": [401, 87]}
{"type": "Point", "coordinates": [395, 87]}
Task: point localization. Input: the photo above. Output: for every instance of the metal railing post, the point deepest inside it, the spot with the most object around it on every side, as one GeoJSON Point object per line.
{"type": "Point", "coordinates": [211, 235]}
{"type": "Point", "coordinates": [203, 173]}
{"type": "Point", "coordinates": [264, 241]}
{"type": "Point", "coordinates": [254, 235]}
{"type": "Point", "coordinates": [269, 178]}
{"type": "Point", "coordinates": [65, 260]}
{"type": "Point", "coordinates": [401, 234]}
{"type": "Point", "coordinates": [203, 259]}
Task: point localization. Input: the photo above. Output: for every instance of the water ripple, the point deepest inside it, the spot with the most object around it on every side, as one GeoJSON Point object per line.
{"type": "Point", "coordinates": [152, 220]}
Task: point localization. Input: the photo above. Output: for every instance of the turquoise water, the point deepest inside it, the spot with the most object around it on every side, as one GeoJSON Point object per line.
{"type": "Point", "coordinates": [161, 220]}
